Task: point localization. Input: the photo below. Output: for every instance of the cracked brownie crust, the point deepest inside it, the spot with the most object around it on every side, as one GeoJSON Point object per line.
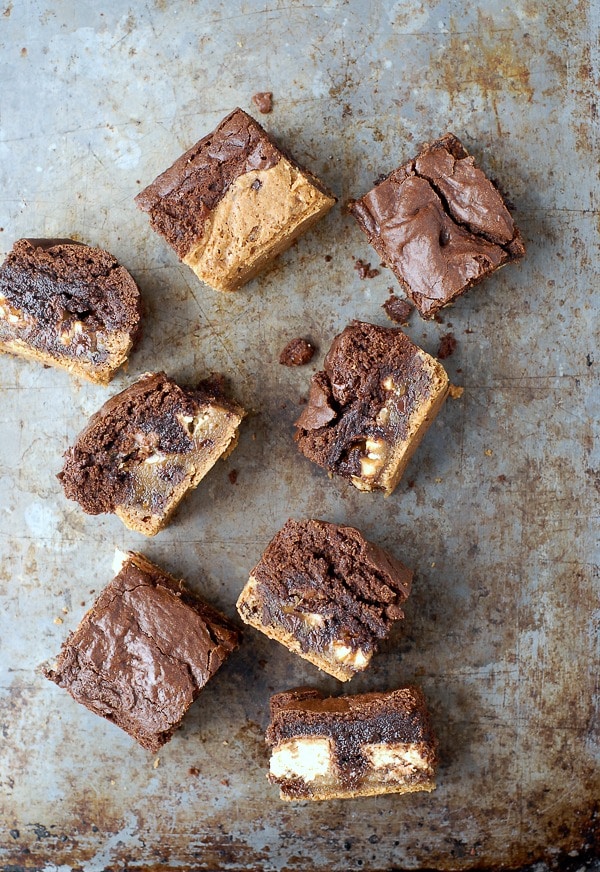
{"type": "Point", "coordinates": [147, 446]}
{"type": "Point", "coordinates": [327, 594]}
{"type": "Point", "coordinates": [349, 746]}
{"type": "Point", "coordinates": [370, 407]}
{"type": "Point", "coordinates": [439, 224]}
{"type": "Point", "coordinates": [233, 202]}
{"type": "Point", "coordinates": [143, 652]}
{"type": "Point", "coordinates": [68, 305]}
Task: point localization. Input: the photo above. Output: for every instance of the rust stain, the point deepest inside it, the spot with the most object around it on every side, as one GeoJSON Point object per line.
{"type": "Point", "coordinates": [490, 59]}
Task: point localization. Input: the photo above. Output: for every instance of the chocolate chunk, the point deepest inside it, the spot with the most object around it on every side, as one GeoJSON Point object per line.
{"type": "Point", "coordinates": [263, 101]}
{"type": "Point", "coordinates": [447, 346]}
{"type": "Point", "coordinates": [397, 310]}
{"type": "Point", "coordinates": [364, 270]}
{"type": "Point", "coordinates": [298, 352]}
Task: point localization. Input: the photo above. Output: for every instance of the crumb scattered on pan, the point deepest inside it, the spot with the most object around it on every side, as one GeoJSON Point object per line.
{"type": "Point", "coordinates": [397, 310]}
{"type": "Point", "coordinates": [263, 100]}
{"type": "Point", "coordinates": [193, 770]}
{"type": "Point", "coordinates": [58, 620]}
{"type": "Point", "coordinates": [488, 452]}
{"type": "Point", "coordinates": [298, 352]}
{"type": "Point", "coordinates": [156, 763]}
{"type": "Point", "coordinates": [447, 347]}
{"type": "Point", "coordinates": [232, 476]}
{"type": "Point", "coordinates": [364, 269]}
{"type": "Point", "coordinates": [328, 258]}
{"type": "Point", "coordinates": [455, 392]}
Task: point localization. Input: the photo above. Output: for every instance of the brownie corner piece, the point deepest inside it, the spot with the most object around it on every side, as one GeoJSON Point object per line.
{"type": "Point", "coordinates": [370, 407]}
{"type": "Point", "coordinates": [69, 305]}
{"type": "Point", "coordinates": [327, 594]}
{"type": "Point", "coordinates": [144, 651]}
{"type": "Point", "coordinates": [440, 224]}
{"type": "Point", "coordinates": [350, 746]}
{"type": "Point", "coordinates": [147, 447]}
{"type": "Point", "coordinates": [233, 202]}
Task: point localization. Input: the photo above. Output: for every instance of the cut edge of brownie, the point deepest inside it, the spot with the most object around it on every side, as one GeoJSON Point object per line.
{"type": "Point", "coordinates": [329, 412]}
{"type": "Point", "coordinates": [223, 634]}
{"type": "Point", "coordinates": [362, 567]}
{"type": "Point", "coordinates": [513, 250]}
{"type": "Point", "coordinates": [119, 336]}
{"type": "Point", "coordinates": [110, 489]}
{"type": "Point", "coordinates": [303, 714]}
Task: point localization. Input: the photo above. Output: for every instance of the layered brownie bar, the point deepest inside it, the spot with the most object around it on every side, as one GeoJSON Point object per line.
{"type": "Point", "coordinates": [233, 202]}
{"type": "Point", "coordinates": [69, 305]}
{"type": "Point", "coordinates": [147, 447]}
{"type": "Point", "coordinates": [144, 651]}
{"type": "Point", "coordinates": [327, 594]}
{"type": "Point", "coordinates": [348, 746]}
{"type": "Point", "coordinates": [370, 407]}
{"type": "Point", "coordinates": [440, 224]}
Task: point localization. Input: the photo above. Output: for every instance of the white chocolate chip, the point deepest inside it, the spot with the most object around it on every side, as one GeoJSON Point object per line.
{"type": "Point", "coordinates": [302, 758]}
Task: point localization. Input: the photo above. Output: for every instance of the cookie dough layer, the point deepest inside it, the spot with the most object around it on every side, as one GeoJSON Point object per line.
{"type": "Point", "coordinates": [350, 746]}
{"type": "Point", "coordinates": [260, 216]}
{"type": "Point", "coordinates": [327, 594]}
{"type": "Point", "coordinates": [369, 409]}
{"type": "Point", "coordinates": [147, 447]}
{"type": "Point", "coordinates": [144, 651]}
{"type": "Point", "coordinates": [69, 305]}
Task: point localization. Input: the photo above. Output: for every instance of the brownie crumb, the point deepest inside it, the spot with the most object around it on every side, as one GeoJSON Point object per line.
{"type": "Point", "coordinates": [194, 771]}
{"type": "Point", "coordinates": [502, 479]}
{"type": "Point", "coordinates": [397, 310]}
{"type": "Point", "coordinates": [233, 476]}
{"type": "Point", "coordinates": [455, 392]}
{"type": "Point", "coordinates": [263, 101]}
{"type": "Point", "coordinates": [298, 352]}
{"type": "Point", "coordinates": [364, 269]}
{"type": "Point", "coordinates": [447, 347]}
{"type": "Point", "coordinates": [328, 257]}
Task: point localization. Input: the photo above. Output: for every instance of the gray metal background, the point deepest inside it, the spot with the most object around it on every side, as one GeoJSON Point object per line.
{"type": "Point", "coordinates": [501, 521]}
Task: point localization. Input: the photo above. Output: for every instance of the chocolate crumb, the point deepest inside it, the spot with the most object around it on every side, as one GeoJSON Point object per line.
{"type": "Point", "coordinates": [411, 483]}
{"type": "Point", "coordinates": [397, 310]}
{"type": "Point", "coordinates": [447, 347]}
{"type": "Point", "coordinates": [328, 257]}
{"type": "Point", "coordinates": [364, 270]}
{"type": "Point", "coordinates": [501, 478]}
{"type": "Point", "coordinates": [233, 476]}
{"type": "Point", "coordinates": [296, 353]}
{"type": "Point", "coordinates": [263, 100]}
{"type": "Point", "coordinates": [194, 771]}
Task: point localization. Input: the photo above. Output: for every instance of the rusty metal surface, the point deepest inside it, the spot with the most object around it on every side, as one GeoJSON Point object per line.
{"type": "Point", "coordinates": [498, 510]}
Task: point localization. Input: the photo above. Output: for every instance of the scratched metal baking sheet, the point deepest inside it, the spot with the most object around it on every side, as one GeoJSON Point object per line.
{"type": "Point", "coordinates": [497, 512]}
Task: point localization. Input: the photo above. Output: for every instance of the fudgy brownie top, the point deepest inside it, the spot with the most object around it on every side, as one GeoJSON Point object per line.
{"type": "Point", "coordinates": [399, 716]}
{"type": "Point", "coordinates": [130, 427]}
{"type": "Point", "coordinates": [346, 397]}
{"type": "Point", "coordinates": [57, 282]}
{"type": "Point", "coordinates": [315, 568]}
{"type": "Point", "coordinates": [439, 223]}
{"type": "Point", "coordinates": [181, 198]}
{"type": "Point", "coordinates": [144, 651]}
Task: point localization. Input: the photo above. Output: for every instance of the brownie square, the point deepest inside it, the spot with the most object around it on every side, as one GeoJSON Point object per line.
{"type": "Point", "coordinates": [327, 594]}
{"type": "Point", "coordinates": [233, 202]}
{"type": "Point", "coordinates": [349, 746]}
{"type": "Point", "coordinates": [440, 224]}
{"type": "Point", "coordinates": [144, 651]}
{"type": "Point", "coordinates": [147, 447]}
{"type": "Point", "coordinates": [370, 407]}
{"type": "Point", "coordinates": [69, 305]}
